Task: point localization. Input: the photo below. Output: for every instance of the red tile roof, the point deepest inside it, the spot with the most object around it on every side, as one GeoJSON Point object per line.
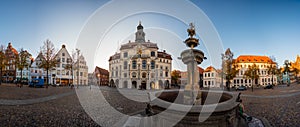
{"type": "Point", "coordinates": [253, 59]}
{"type": "Point", "coordinates": [209, 69]}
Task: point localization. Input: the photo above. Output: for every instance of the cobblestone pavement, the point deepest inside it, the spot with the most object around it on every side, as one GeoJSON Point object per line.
{"type": "Point", "coordinates": [110, 107]}
{"type": "Point", "coordinates": [281, 110]}
{"type": "Point", "coordinates": [11, 92]}
{"type": "Point", "coordinates": [62, 112]}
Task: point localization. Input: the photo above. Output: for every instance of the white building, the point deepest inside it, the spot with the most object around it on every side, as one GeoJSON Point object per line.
{"type": "Point", "coordinates": [82, 79]}
{"type": "Point", "coordinates": [25, 72]}
{"type": "Point", "coordinates": [211, 77]}
{"type": "Point", "coordinates": [61, 75]}
{"type": "Point", "coordinates": [36, 72]}
{"type": "Point", "coordinates": [140, 65]}
{"type": "Point", "coordinates": [243, 62]}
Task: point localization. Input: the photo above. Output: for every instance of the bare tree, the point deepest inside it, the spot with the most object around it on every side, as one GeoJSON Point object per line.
{"type": "Point", "coordinates": [48, 52]}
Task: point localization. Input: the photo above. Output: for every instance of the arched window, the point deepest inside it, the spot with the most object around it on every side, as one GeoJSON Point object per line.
{"type": "Point", "coordinates": [125, 65]}
{"type": "Point", "coordinates": [144, 62]}
{"type": "Point", "coordinates": [152, 64]}
{"type": "Point", "coordinates": [133, 74]}
{"type": "Point", "coordinates": [144, 75]}
{"type": "Point", "coordinates": [134, 64]}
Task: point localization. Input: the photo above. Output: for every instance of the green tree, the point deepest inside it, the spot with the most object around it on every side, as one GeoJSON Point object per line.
{"type": "Point", "coordinates": [272, 71]}
{"type": "Point", "coordinates": [252, 73]}
{"type": "Point", "coordinates": [48, 52]}
{"type": "Point", "coordinates": [23, 61]}
{"type": "Point", "coordinates": [2, 62]}
{"type": "Point", "coordinates": [230, 72]}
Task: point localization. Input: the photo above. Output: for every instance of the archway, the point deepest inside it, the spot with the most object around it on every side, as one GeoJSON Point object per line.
{"type": "Point", "coordinates": [134, 83]}
{"type": "Point", "coordinates": [143, 85]}
{"type": "Point", "coordinates": [167, 84]}
{"type": "Point", "coordinates": [152, 85]}
{"type": "Point", "coordinates": [112, 83]}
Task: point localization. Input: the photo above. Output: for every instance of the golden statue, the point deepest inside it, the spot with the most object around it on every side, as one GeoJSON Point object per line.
{"type": "Point", "coordinates": [191, 30]}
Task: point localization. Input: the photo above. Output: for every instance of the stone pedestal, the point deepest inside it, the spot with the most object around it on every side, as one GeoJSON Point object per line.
{"type": "Point", "coordinates": [148, 87]}
{"type": "Point", "coordinates": [192, 57]}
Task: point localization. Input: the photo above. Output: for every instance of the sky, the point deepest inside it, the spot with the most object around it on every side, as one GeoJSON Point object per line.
{"type": "Point", "coordinates": [247, 27]}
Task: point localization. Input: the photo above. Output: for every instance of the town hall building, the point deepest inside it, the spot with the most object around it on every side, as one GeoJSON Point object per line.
{"type": "Point", "coordinates": [139, 65]}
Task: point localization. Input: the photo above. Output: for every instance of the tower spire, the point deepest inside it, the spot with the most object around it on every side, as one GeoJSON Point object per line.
{"type": "Point", "coordinates": [140, 35]}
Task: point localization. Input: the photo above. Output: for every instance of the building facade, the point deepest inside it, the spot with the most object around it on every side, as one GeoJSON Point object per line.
{"type": "Point", "coordinates": [211, 77]}
{"type": "Point", "coordinates": [139, 65]}
{"type": "Point", "coordinates": [81, 74]}
{"type": "Point", "coordinates": [39, 73]}
{"type": "Point", "coordinates": [243, 62]}
{"type": "Point", "coordinates": [101, 76]}
{"type": "Point", "coordinates": [25, 73]}
{"type": "Point", "coordinates": [183, 77]}
{"type": "Point", "coordinates": [60, 75]}
{"type": "Point", "coordinates": [9, 72]}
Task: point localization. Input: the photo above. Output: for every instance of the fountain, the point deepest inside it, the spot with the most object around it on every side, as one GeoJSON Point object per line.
{"type": "Point", "coordinates": [191, 106]}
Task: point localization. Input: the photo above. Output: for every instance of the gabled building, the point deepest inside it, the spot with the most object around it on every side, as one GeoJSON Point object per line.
{"type": "Point", "coordinates": [60, 74]}
{"type": "Point", "coordinates": [36, 72]}
{"type": "Point", "coordinates": [101, 76]}
{"type": "Point", "coordinates": [211, 77]}
{"type": "Point", "coordinates": [9, 72]}
{"type": "Point", "coordinates": [81, 75]}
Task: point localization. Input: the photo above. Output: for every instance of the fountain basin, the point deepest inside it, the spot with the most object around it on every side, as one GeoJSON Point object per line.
{"type": "Point", "coordinates": [219, 110]}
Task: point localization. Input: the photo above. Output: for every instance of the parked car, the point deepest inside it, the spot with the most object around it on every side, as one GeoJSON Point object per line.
{"type": "Point", "coordinates": [241, 88]}
{"type": "Point", "coordinates": [36, 83]}
{"type": "Point", "coordinates": [55, 85]}
{"type": "Point", "coordinates": [269, 86]}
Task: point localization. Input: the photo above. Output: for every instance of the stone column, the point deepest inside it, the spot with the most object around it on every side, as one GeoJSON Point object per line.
{"type": "Point", "coordinates": [148, 85]}
{"type": "Point", "coordinates": [190, 57]}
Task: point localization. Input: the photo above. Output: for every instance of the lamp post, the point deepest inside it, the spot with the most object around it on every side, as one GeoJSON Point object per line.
{"type": "Point", "coordinates": [78, 51]}
{"type": "Point", "coordinates": [222, 74]}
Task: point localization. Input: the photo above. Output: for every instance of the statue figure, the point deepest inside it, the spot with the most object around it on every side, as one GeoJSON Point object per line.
{"type": "Point", "coordinates": [191, 30]}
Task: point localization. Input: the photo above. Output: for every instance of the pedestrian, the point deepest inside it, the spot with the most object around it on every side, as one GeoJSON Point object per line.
{"type": "Point", "coordinates": [148, 110]}
{"type": "Point", "coordinates": [241, 108]}
{"type": "Point", "coordinates": [242, 113]}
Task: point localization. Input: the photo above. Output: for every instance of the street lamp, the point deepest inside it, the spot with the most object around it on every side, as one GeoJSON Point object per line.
{"type": "Point", "coordinates": [222, 74]}
{"type": "Point", "coordinates": [78, 51]}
